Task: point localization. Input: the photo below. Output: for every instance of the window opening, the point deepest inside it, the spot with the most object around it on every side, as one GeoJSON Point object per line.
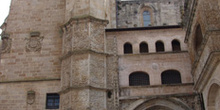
{"type": "Point", "coordinates": [53, 101]}
{"type": "Point", "coordinates": [171, 77]}
{"type": "Point", "coordinates": [146, 18]}
{"type": "Point", "coordinates": [176, 45]}
{"type": "Point", "coordinates": [138, 79]}
{"type": "Point", "coordinates": [143, 48]}
{"type": "Point", "coordinates": [198, 38]}
{"type": "Point", "coordinates": [128, 48]}
{"type": "Point", "coordinates": [159, 46]}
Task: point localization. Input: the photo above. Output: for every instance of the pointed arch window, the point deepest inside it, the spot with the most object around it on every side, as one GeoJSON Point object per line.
{"type": "Point", "coordinates": [143, 47]}
{"type": "Point", "coordinates": [128, 48]}
{"type": "Point", "coordinates": [138, 79]}
{"type": "Point", "coordinates": [176, 45]}
{"type": "Point", "coordinates": [146, 18]}
{"type": "Point", "coordinates": [159, 46]}
{"type": "Point", "coordinates": [198, 38]}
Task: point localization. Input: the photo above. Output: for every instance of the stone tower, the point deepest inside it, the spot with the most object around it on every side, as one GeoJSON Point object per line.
{"type": "Point", "coordinates": [84, 84]}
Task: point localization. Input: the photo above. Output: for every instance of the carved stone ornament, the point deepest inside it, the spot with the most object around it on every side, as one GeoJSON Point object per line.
{"type": "Point", "coordinates": [34, 42]}
{"type": "Point", "coordinates": [30, 97]}
{"type": "Point", "coordinates": [6, 43]}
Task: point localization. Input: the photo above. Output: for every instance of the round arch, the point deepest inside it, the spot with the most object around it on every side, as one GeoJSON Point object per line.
{"type": "Point", "coordinates": [155, 103]}
{"type": "Point", "coordinates": [176, 45]}
{"type": "Point", "coordinates": [160, 46]}
{"type": "Point", "coordinates": [144, 8]}
{"type": "Point", "coordinates": [143, 47]}
{"type": "Point", "coordinates": [128, 49]}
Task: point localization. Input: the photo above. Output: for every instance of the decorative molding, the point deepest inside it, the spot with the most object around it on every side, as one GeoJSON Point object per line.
{"type": "Point", "coordinates": [30, 97]}
{"type": "Point", "coordinates": [34, 42]}
{"type": "Point", "coordinates": [6, 43]}
{"type": "Point", "coordinates": [82, 18]}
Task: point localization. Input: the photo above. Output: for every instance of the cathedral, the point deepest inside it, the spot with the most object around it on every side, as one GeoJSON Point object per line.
{"type": "Point", "coordinates": [110, 55]}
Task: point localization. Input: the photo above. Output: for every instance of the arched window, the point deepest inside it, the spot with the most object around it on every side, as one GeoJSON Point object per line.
{"type": "Point", "coordinates": [213, 96]}
{"type": "Point", "coordinates": [176, 45]}
{"type": "Point", "coordinates": [143, 47]}
{"type": "Point", "coordinates": [127, 48]}
{"type": "Point", "coordinates": [159, 46]}
{"type": "Point", "coordinates": [146, 18]}
{"type": "Point", "coordinates": [171, 77]}
{"type": "Point", "coordinates": [138, 79]}
{"type": "Point", "coordinates": [198, 38]}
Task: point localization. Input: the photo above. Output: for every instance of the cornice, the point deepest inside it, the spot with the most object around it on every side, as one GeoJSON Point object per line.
{"type": "Point", "coordinates": [78, 19]}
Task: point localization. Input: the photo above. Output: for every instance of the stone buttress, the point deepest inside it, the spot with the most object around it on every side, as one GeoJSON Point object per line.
{"type": "Point", "coordinates": [85, 80]}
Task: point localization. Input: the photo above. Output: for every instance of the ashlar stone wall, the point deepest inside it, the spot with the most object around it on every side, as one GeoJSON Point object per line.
{"type": "Point", "coordinates": [32, 44]}
{"type": "Point", "coordinates": [14, 94]}
{"type": "Point", "coordinates": [162, 12]}
{"type": "Point", "coordinates": [30, 53]}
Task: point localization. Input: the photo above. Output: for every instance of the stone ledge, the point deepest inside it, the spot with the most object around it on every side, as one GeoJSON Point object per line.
{"type": "Point", "coordinates": [154, 86]}
{"type": "Point", "coordinates": [158, 96]}
{"type": "Point", "coordinates": [83, 87]}
{"type": "Point", "coordinates": [143, 28]}
{"type": "Point", "coordinates": [31, 80]}
{"type": "Point", "coordinates": [171, 52]}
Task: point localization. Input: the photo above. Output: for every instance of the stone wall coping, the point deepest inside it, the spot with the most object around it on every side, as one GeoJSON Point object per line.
{"type": "Point", "coordinates": [143, 28]}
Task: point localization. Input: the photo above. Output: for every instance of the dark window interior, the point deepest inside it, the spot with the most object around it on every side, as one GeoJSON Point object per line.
{"type": "Point", "coordinates": [143, 48]}
{"type": "Point", "coordinates": [171, 77]}
{"type": "Point", "coordinates": [53, 101]}
{"type": "Point", "coordinates": [198, 38]}
{"type": "Point", "coordinates": [138, 79]}
{"type": "Point", "coordinates": [128, 48]}
{"type": "Point", "coordinates": [109, 94]}
{"type": "Point", "coordinates": [159, 46]}
{"type": "Point", "coordinates": [176, 45]}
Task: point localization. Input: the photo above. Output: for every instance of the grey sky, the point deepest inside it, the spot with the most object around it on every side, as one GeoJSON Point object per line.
{"type": "Point", "coordinates": [4, 9]}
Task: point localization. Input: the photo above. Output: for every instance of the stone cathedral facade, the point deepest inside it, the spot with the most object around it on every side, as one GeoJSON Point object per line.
{"type": "Point", "coordinates": [110, 55]}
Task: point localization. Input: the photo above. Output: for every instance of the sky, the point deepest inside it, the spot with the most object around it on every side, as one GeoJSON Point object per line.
{"type": "Point", "coordinates": [4, 9]}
